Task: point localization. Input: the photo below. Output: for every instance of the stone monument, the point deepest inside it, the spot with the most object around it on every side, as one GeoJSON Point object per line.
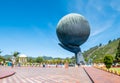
{"type": "Point", "coordinates": [72, 31]}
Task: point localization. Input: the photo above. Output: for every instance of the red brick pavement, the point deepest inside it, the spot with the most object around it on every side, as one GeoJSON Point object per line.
{"type": "Point", "coordinates": [100, 76]}
{"type": "Point", "coordinates": [47, 75]}
{"type": "Point", "coordinates": [6, 72]}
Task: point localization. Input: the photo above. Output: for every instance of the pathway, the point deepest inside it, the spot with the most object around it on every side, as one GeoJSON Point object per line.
{"type": "Point", "coordinates": [100, 76]}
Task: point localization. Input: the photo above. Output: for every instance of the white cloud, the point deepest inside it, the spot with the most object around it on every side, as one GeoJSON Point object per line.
{"type": "Point", "coordinates": [103, 27]}
{"type": "Point", "coordinates": [102, 16]}
{"type": "Point", "coordinates": [98, 5]}
{"type": "Point", "coordinates": [84, 5]}
{"type": "Point", "coordinates": [96, 13]}
{"type": "Point", "coordinates": [96, 32]}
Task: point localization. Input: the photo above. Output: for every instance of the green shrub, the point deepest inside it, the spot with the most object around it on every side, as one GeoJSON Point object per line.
{"type": "Point", "coordinates": [108, 61]}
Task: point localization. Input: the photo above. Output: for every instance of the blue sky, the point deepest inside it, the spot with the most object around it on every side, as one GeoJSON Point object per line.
{"type": "Point", "coordinates": [29, 26]}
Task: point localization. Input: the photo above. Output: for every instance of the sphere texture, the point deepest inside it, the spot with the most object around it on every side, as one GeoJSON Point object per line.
{"type": "Point", "coordinates": [73, 29]}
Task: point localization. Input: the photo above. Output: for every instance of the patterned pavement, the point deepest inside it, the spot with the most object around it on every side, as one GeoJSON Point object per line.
{"type": "Point", "coordinates": [5, 72]}
{"type": "Point", "coordinates": [100, 76]}
{"type": "Point", "coordinates": [47, 75]}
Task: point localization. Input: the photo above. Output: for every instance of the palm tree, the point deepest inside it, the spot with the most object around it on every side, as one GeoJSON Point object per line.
{"type": "Point", "coordinates": [15, 56]}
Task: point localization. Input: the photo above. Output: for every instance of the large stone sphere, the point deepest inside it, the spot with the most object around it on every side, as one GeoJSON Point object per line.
{"type": "Point", "coordinates": [73, 29]}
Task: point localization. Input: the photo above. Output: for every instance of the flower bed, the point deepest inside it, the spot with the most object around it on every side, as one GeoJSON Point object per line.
{"type": "Point", "coordinates": [111, 70]}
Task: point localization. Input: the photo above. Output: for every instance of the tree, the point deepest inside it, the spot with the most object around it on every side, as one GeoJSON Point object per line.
{"type": "Point", "coordinates": [73, 60]}
{"type": "Point", "coordinates": [108, 61]}
{"type": "Point", "coordinates": [15, 54]}
{"type": "Point", "coordinates": [67, 60]}
{"type": "Point", "coordinates": [58, 60]}
{"type": "Point", "coordinates": [86, 59]}
{"type": "Point", "coordinates": [100, 44]}
{"type": "Point", "coordinates": [30, 59]}
{"type": "Point", "coordinates": [117, 57]}
{"type": "Point", "coordinates": [15, 57]}
{"type": "Point", "coordinates": [53, 61]}
{"type": "Point", "coordinates": [0, 51]}
{"type": "Point", "coordinates": [39, 59]}
{"type": "Point", "coordinates": [109, 41]}
{"type": "Point", "coordinates": [1, 57]}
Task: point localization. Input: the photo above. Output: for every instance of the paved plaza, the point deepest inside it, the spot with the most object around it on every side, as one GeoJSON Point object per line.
{"type": "Point", "coordinates": [46, 75]}
{"type": "Point", "coordinates": [57, 75]}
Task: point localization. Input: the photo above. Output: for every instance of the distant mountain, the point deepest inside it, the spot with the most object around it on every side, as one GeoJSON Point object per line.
{"type": "Point", "coordinates": [7, 56]}
{"type": "Point", "coordinates": [47, 57]}
{"type": "Point", "coordinates": [97, 53]}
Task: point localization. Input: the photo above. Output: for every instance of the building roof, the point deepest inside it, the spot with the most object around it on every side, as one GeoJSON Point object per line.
{"type": "Point", "coordinates": [22, 55]}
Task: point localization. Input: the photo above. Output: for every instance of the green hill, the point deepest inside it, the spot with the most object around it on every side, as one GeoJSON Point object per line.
{"type": "Point", "coordinates": [97, 53]}
{"type": "Point", "coordinates": [7, 56]}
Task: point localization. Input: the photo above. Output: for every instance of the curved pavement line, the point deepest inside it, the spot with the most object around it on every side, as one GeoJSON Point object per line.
{"type": "Point", "coordinates": [89, 75]}
{"type": "Point", "coordinates": [4, 76]}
